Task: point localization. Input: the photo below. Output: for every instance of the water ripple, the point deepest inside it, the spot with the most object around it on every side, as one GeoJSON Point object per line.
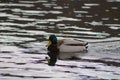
{"type": "Point", "coordinates": [25, 26]}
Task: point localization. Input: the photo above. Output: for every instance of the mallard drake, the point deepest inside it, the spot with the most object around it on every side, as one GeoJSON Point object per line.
{"type": "Point", "coordinates": [69, 45]}
{"type": "Point", "coordinates": [69, 48]}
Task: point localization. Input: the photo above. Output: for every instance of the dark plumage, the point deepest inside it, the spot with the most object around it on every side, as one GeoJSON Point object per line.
{"type": "Point", "coordinates": [52, 50]}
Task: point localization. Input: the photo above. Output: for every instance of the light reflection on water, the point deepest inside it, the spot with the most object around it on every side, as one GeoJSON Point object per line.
{"type": "Point", "coordinates": [25, 26]}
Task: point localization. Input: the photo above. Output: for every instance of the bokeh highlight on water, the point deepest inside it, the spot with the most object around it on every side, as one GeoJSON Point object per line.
{"type": "Point", "coordinates": [26, 24]}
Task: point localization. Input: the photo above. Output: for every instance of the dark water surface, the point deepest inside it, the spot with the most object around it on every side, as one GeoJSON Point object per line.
{"type": "Point", "coordinates": [26, 24]}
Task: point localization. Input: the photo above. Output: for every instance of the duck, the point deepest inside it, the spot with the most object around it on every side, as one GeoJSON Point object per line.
{"type": "Point", "coordinates": [69, 47]}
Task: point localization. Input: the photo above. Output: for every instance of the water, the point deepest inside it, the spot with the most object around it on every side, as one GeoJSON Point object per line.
{"type": "Point", "coordinates": [26, 24]}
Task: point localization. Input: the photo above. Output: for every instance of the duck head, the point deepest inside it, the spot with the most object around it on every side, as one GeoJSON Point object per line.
{"type": "Point", "coordinates": [52, 40]}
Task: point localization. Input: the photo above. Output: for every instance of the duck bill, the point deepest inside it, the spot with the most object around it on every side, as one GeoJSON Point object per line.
{"type": "Point", "coordinates": [49, 43]}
